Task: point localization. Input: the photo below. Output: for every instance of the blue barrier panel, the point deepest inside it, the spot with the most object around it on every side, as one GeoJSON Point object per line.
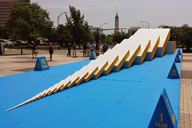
{"type": "Point", "coordinates": [41, 64]}
{"type": "Point", "coordinates": [174, 74]}
{"type": "Point", "coordinates": [163, 116]}
{"type": "Point", "coordinates": [93, 55]}
{"type": "Point", "coordinates": [177, 59]}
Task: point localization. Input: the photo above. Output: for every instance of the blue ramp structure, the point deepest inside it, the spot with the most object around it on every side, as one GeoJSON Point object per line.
{"type": "Point", "coordinates": [109, 91]}
{"type": "Point", "coordinates": [129, 51]}
{"type": "Point", "coordinates": [120, 99]}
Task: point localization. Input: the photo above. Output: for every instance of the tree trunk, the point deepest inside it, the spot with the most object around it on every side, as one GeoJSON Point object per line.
{"type": "Point", "coordinates": [21, 50]}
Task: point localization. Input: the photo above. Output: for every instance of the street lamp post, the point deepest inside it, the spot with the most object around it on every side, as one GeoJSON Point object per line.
{"type": "Point", "coordinates": [146, 22]}
{"type": "Point", "coordinates": [98, 31]}
{"type": "Point", "coordinates": [58, 17]}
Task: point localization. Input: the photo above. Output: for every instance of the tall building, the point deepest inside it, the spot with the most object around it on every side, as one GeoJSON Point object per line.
{"type": "Point", "coordinates": [116, 23]}
{"type": "Point", "coordinates": [5, 8]}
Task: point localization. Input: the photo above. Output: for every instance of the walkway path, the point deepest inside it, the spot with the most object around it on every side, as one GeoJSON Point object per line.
{"type": "Point", "coordinates": [186, 92]}
{"type": "Point", "coordinates": [13, 62]}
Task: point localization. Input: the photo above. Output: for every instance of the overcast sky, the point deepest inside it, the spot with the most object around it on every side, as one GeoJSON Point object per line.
{"type": "Point", "coordinates": [131, 12]}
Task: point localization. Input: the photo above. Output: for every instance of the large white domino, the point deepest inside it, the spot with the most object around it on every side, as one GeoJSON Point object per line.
{"type": "Point", "coordinates": [103, 62]}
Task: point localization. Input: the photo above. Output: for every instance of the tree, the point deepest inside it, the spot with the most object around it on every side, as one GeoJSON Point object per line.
{"type": "Point", "coordinates": [186, 38]}
{"type": "Point", "coordinates": [48, 31]}
{"type": "Point", "coordinates": [21, 30]}
{"type": "Point", "coordinates": [29, 21]}
{"type": "Point", "coordinates": [98, 36]}
{"type": "Point", "coordinates": [20, 15]}
{"type": "Point", "coordinates": [182, 36]}
{"type": "Point", "coordinates": [4, 32]}
{"type": "Point", "coordinates": [109, 38]}
{"type": "Point", "coordinates": [78, 27]}
{"type": "Point", "coordinates": [118, 37]}
{"type": "Point", "coordinates": [63, 35]}
{"type": "Point", "coordinates": [40, 22]}
{"type": "Point", "coordinates": [103, 38]}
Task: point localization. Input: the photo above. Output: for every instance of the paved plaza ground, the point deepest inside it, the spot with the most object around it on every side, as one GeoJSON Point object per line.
{"type": "Point", "coordinates": [13, 63]}
{"type": "Point", "coordinates": [186, 92]}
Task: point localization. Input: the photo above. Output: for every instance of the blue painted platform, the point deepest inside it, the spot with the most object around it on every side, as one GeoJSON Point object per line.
{"type": "Point", "coordinates": [122, 99]}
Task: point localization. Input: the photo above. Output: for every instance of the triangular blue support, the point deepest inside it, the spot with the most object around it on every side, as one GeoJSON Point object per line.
{"type": "Point", "coordinates": [177, 59]}
{"type": "Point", "coordinates": [173, 74]}
{"type": "Point", "coordinates": [179, 52]}
{"type": "Point", "coordinates": [163, 116]}
{"type": "Point", "coordinates": [93, 55]}
{"type": "Point", "coordinates": [41, 64]}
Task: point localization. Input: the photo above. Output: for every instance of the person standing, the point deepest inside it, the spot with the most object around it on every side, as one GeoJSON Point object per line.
{"type": "Point", "coordinates": [51, 50]}
{"type": "Point", "coordinates": [88, 49]}
{"type": "Point", "coordinates": [74, 50]}
{"type": "Point", "coordinates": [34, 49]}
{"type": "Point", "coordinates": [97, 48]}
{"type": "Point", "coordinates": [93, 46]}
{"type": "Point", "coordinates": [2, 49]}
{"type": "Point", "coordinates": [104, 48]}
{"type": "Point", "coordinates": [84, 49]}
{"type": "Point", "coordinates": [69, 49]}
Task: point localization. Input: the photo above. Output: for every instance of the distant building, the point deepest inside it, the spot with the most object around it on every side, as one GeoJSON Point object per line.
{"type": "Point", "coordinates": [5, 8]}
{"type": "Point", "coordinates": [116, 23]}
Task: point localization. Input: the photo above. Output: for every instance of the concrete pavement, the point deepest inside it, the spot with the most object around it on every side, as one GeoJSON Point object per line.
{"type": "Point", "coordinates": [186, 92]}
{"type": "Point", "coordinates": [12, 62]}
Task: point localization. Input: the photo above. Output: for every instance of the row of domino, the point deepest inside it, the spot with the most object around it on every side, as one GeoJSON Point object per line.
{"type": "Point", "coordinates": [143, 45]}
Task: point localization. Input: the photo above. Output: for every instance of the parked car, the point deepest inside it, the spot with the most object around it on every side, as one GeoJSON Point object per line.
{"type": "Point", "coordinates": [21, 42]}
{"type": "Point", "coordinates": [43, 43]}
{"type": "Point", "coordinates": [7, 42]}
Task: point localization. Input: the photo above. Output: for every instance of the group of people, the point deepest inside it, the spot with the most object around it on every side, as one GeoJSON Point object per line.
{"type": "Point", "coordinates": [98, 47]}
{"type": "Point", "coordinates": [35, 52]}
{"type": "Point", "coordinates": [74, 50]}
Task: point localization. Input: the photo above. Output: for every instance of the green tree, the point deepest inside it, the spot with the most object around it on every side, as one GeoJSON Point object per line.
{"type": "Point", "coordinates": [40, 22]}
{"type": "Point", "coordinates": [78, 27]}
{"type": "Point", "coordinates": [4, 32]}
{"type": "Point", "coordinates": [98, 36]}
{"type": "Point", "coordinates": [182, 36]}
{"type": "Point", "coordinates": [63, 35]}
{"type": "Point", "coordinates": [109, 38]}
{"type": "Point", "coordinates": [118, 37]}
{"type": "Point", "coordinates": [186, 38]}
{"type": "Point", "coordinates": [29, 21]}
{"type": "Point", "coordinates": [20, 15]}
{"type": "Point", "coordinates": [102, 38]}
{"type": "Point", "coordinates": [21, 30]}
